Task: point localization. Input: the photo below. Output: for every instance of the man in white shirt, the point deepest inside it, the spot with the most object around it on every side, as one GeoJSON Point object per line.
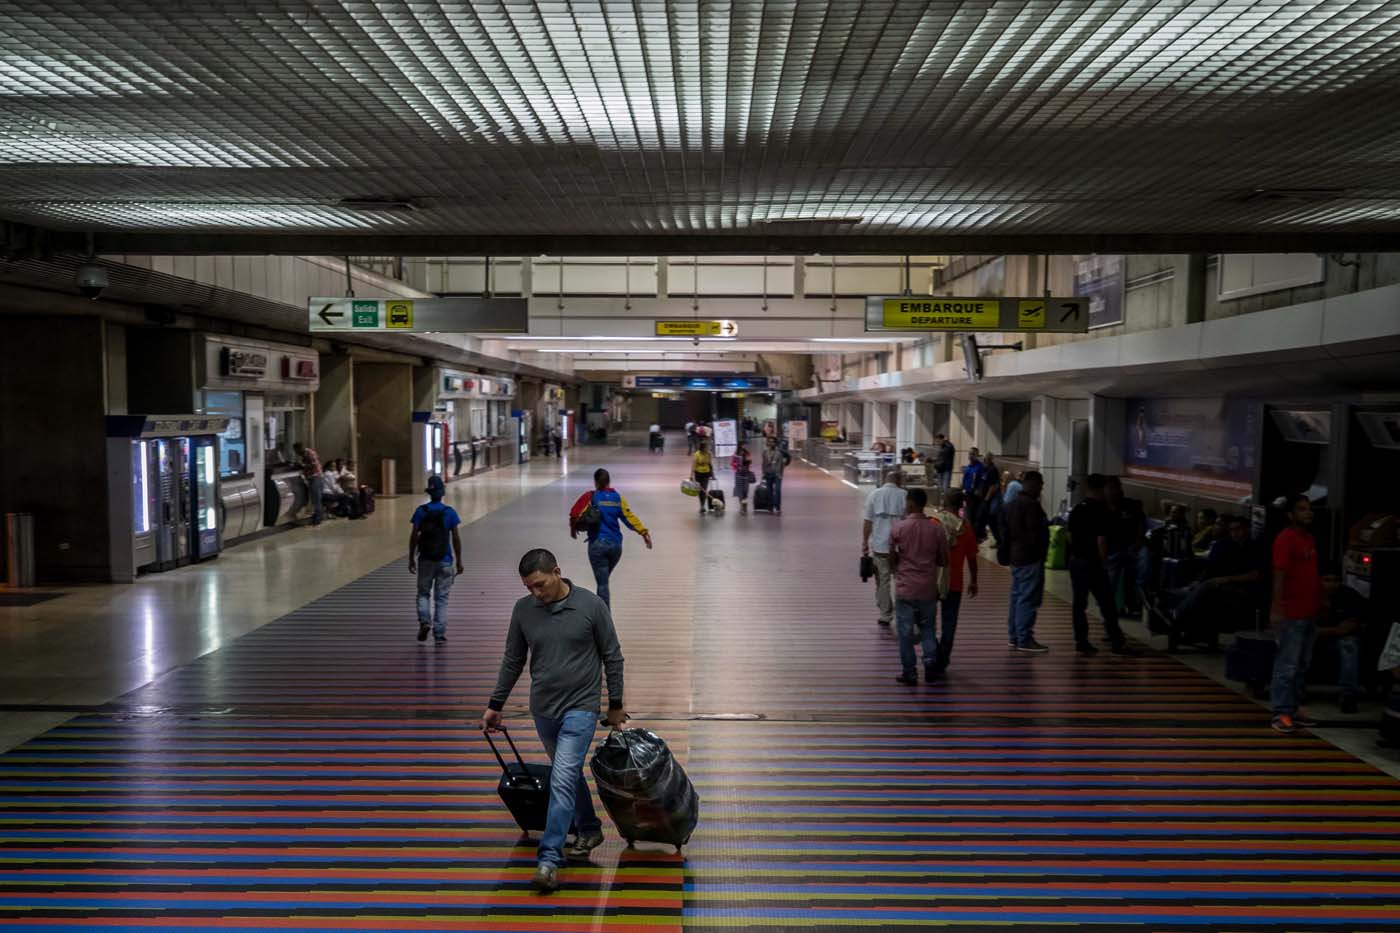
{"type": "Point", "coordinates": [883, 507]}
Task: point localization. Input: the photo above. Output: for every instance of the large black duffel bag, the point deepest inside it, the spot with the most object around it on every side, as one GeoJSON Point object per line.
{"type": "Point", "coordinates": [644, 788]}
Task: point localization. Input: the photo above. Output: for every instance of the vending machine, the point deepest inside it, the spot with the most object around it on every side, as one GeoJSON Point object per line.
{"type": "Point", "coordinates": [164, 491]}
{"type": "Point", "coordinates": [429, 444]}
{"type": "Point", "coordinates": [521, 423]}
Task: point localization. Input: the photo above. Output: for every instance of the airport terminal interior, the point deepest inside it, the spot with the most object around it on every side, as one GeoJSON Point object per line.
{"type": "Point", "coordinates": [1070, 329]}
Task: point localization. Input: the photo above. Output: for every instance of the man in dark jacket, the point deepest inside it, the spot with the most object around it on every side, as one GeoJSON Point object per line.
{"type": "Point", "coordinates": [1028, 538]}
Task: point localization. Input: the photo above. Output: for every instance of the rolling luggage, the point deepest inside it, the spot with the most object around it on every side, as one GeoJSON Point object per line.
{"type": "Point", "coordinates": [717, 499]}
{"type": "Point", "coordinates": [763, 498]}
{"type": "Point", "coordinates": [1250, 660]}
{"type": "Point", "coordinates": [524, 788]}
{"type": "Point", "coordinates": [644, 788]}
{"type": "Point", "coordinates": [366, 500]}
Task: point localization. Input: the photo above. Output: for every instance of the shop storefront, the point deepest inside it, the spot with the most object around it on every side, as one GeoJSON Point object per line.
{"type": "Point", "coordinates": [264, 390]}
{"type": "Point", "coordinates": [477, 432]}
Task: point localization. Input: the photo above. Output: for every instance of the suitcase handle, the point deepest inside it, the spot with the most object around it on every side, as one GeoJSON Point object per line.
{"type": "Point", "coordinates": [506, 732]}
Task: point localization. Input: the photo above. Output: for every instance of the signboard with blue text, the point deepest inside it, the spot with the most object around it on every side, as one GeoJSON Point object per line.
{"type": "Point", "coordinates": [1100, 279]}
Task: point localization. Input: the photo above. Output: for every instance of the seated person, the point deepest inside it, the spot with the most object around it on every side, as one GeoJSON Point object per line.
{"type": "Point", "coordinates": [349, 482]}
{"type": "Point", "coordinates": [1176, 534]}
{"type": "Point", "coordinates": [337, 502]}
{"type": "Point", "coordinates": [1209, 528]}
{"type": "Point", "coordinates": [1339, 634]}
{"type": "Point", "coordinates": [1230, 584]}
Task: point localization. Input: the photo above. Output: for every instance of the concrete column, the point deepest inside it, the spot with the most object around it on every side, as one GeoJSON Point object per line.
{"type": "Point", "coordinates": [905, 428]}
{"type": "Point", "coordinates": [527, 277]}
{"type": "Point", "coordinates": [867, 423]}
{"type": "Point", "coordinates": [1107, 421]}
{"type": "Point", "coordinates": [1050, 447]}
{"type": "Point", "coordinates": [425, 388]}
{"type": "Point", "coordinates": [962, 427]}
{"type": "Point", "coordinates": [663, 277]}
{"type": "Point", "coordinates": [1190, 283]}
{"type": "Point", "coordinates": [986, 433]}
{"type": "Point", "coordinates": [799, 277]}
{"type": "Point", "coordinates": [383, 395]}
{"type": "Point", "coordinates": [335, 408]}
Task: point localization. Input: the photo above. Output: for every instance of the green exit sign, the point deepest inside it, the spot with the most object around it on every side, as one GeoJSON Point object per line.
{"type": "Point", "coordinates": [364, 314]}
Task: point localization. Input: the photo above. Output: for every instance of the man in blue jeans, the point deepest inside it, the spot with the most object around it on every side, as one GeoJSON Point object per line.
{"type": "Point", "coordinates": [1028, 538]}
{"type": "Point", "coordinates": [1293, 610]}
{"type": "Point", "coordinates": [431, 548]}
{"type": "Point", "coordinates": [605, 533]}
{"type": "Point", "coordinates": [918, 552]}
{"type": "Point", "coordinates": [569, 636]}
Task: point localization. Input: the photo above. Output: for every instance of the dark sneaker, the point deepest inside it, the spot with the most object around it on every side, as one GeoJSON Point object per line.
{"type": "Point", "coordinates": [582, 845]}
{"type": "Point", "coordinates": [1284, 723]}
{"type": "Point", "coordinates": [1086, 649]}
{"type": "Point", "coordinates": [423, 630]}
{"type": "Point", "coordinates": [1032, 646]}
{"type": "Point", "coordinates": [440, 639]}
{"type": "Point", "coordinates": [909, 680]}
{"type": "Point", "coordinates": [882, 621]}
{"type": "Point", "coordinates": [546, 880]}
{"type": "Point", "coordinates": [1348, 704]}
{"type": "Point", "coordinates": [932, 672]}
{"type": "Point", "coordinates": [1011, 643]}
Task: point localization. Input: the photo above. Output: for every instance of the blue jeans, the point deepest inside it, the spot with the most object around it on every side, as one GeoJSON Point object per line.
{"type": "Point", "coordinates": [1027, 591]}
{"type": "Point", "coordinates": [434, 584]}
{"type": "Point", "coordinates": [945, 479]}
{"type": "Point", "coordinates": [567, 742]}
{"type": "Point", "coordinates": [1349, 665]}
{"type": "Point", "coordinates": [315, 490]}
{"type": "Point", "coordinates": [915, 618]}
{"type": "Point", "coordinates": [1295, 645]}
{"type": "Point", "coordinates": [952, 603]}
{"type": "Point", "coordinates": [775, 485]}
{"type": "Point", "coordinates": [603, 555]}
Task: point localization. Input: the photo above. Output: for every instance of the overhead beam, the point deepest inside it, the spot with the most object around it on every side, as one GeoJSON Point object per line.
{"type": "Point", "coordinates": [183, 243]}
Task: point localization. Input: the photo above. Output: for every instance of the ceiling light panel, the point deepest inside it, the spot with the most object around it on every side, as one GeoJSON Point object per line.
{"type": "Point", "coordinates": [668, 116]}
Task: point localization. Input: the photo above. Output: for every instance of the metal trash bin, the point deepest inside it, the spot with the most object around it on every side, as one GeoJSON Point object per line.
{"type": "Point", "coordinates": [19, 548]}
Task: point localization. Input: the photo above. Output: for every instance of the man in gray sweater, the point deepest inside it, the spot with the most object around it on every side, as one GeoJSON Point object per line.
{"type": "Point", "coordinates": [569, 636]}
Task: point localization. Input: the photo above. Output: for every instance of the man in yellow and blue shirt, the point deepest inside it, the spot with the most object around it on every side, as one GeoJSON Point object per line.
{"type": "Point", "coordinates": [605, 538]}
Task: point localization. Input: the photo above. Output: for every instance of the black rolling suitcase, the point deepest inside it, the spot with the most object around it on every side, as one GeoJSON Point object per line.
{"type": "Point", "coordinates": [644, 788]}
{"type": "Point", "coordinates": [763, 498]}
{"type": "Point", "coordinates": [524, 788]}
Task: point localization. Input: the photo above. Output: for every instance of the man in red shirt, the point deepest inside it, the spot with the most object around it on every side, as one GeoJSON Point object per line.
{"type": "Point", "coordinates": [918, 552]}
{"type": "Point", "coordinates": [962, 550]}
{"type": "Point", "coordinates": [1297, 600]}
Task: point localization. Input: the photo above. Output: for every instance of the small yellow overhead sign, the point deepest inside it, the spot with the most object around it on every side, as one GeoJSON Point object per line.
{"type": "Point", "coordinates": [696, 329]}
{"type": "Point", "coordinates": [942, 313]}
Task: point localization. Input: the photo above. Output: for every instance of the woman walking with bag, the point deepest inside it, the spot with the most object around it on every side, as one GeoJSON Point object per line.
{"type": "Point", "coordinates": [702, 471]}
{"type": "Point", "coordinates": [742, 465]}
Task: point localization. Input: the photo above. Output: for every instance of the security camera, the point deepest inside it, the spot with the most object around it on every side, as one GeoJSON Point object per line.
{"type": "Point", "coordinates": [91, 280]}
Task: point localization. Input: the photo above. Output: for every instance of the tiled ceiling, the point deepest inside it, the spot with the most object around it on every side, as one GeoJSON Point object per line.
{"type": "Point", "coordinates": [670, 118]}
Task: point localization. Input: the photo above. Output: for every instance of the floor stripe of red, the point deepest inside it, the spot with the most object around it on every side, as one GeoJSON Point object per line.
{"type": "Point", "coordinates": [321, 772]}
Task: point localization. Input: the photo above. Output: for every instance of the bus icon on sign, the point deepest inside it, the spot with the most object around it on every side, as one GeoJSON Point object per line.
{"type": "Point", "coordinates": [398, 314]}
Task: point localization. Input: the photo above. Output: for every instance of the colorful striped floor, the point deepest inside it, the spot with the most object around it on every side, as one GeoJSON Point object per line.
{"type": "Point", "coordinates": [321, 772]}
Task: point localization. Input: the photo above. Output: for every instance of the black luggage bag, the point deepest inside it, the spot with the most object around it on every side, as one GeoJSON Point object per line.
{"type": "Point", "coordinates": [1250, 660]}
{"type": "Point", "coordinates": [763, 498]}
{"type": "Point", "coordinates": [524, 788]}
{"type": "Point", "coordinates": [644, 788]}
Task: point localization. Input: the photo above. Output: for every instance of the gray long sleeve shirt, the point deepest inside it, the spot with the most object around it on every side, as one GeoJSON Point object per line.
{"type": "Point", "coordinates": [569, 644]}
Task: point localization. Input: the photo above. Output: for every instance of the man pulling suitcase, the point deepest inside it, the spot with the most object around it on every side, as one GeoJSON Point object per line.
{"type": "Point", "coordinates": [568, 635]}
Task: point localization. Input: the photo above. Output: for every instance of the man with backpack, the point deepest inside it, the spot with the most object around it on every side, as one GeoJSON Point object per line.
{"type": "Point", "coordinates": [431, 551]}
{"type": "Point", "coordinates": [601, 513]}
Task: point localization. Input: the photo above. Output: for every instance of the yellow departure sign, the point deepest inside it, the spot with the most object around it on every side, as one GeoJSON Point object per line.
{"type": "Point", "coordinates": [912, 314]}
{"type": "Point", "coordinates": [696, 329]}
{"type": "Point", "coordinates": [942, 313]}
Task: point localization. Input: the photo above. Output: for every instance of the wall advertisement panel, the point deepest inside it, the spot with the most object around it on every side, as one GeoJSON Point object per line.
{"type": "Point", "coordinates": [1100, 279]}
{"type": "Point", "coordinates": [1206, 443]}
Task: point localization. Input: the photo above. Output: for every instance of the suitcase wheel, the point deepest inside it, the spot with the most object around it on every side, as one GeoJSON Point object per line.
{"type": "Point", "coordinates": [631, 843]}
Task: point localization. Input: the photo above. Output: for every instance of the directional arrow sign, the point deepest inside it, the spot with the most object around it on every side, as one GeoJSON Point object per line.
{"type": "Point", "coordinates": [977, 315]}
{"type": "Point", "coordinates": [697, 329]}
{"type": "Point", "coordinates": [328, 315]}
{"type": "Point", "coordinates": [419, 315]}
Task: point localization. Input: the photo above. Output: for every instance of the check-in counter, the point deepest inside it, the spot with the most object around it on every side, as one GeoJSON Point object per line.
{"type": "Point", "coordinates": [864, 467]}
{"type": "Point", "coordinates": [286, 495]}
{"type": "Point", "coordinates": [829, 455]}
{"type": "Point", "coordinates": [242, 507]}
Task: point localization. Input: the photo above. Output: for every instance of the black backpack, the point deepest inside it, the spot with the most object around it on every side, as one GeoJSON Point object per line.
{"type": "Point", "coordinates": [591, 517]}
{"type": "Point", "coordinates": [433, 541]}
